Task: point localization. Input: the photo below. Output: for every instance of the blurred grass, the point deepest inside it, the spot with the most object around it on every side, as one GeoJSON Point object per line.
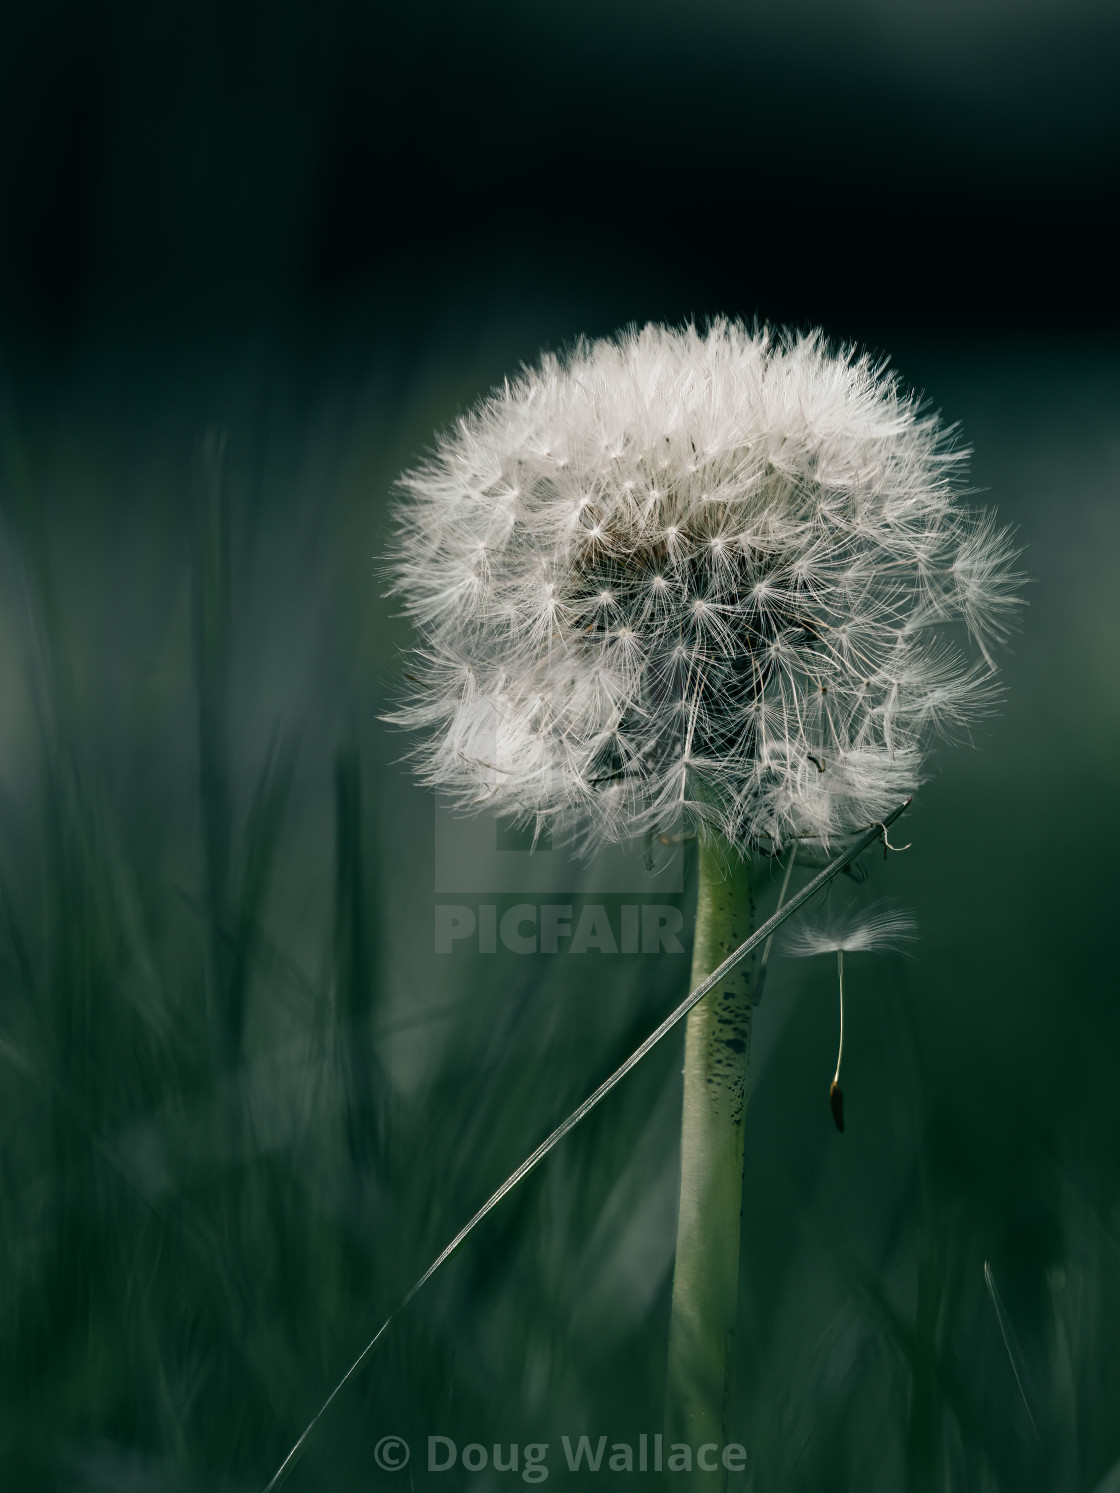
{"type": "Point", "coordinates": [242, 1103]}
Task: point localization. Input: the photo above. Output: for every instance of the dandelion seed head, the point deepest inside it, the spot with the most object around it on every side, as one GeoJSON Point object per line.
{"type": "Point", "coordinates": [724, 577]}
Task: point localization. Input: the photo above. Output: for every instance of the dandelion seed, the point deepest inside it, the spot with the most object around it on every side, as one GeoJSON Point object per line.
{"type": "Point", "coordinates": [876, 929]}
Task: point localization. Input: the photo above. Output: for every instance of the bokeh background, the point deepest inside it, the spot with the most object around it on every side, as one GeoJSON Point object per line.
{"type": "Point", "coordinates": [250, 257]}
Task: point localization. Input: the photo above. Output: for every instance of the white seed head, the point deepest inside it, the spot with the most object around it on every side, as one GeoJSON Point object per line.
{"type": "Point", "coordinates": [685, 579]}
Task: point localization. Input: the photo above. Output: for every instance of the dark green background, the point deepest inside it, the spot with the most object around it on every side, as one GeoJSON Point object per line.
{"type": "Point", "coordinates": [249, 260]}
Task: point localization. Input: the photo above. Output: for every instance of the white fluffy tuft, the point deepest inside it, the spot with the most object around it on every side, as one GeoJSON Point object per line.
{"type": "Point", "coordinates": [874, 930]}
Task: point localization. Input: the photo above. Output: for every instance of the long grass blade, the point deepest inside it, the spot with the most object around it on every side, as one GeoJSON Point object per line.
{"type": "Point", "coordinates": [1006, 1334]}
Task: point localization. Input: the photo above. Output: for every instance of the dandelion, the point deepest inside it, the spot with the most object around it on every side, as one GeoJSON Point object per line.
{"type": "Point", "coordinates": [715, 584]}
{"type": "Point", "coordinates": [683, 581]}
{"type": "Point", "coordinates": [875, 929]}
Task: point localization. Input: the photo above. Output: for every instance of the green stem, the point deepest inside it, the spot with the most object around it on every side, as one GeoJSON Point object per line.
{"type": "Point", "coordinates": [717, 1050]}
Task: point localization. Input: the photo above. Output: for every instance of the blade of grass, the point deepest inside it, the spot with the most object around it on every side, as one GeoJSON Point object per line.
{"type": "Point", "coordinates": [354, 983]}
{"type": "Point", "coordinates": [1008, 1339]}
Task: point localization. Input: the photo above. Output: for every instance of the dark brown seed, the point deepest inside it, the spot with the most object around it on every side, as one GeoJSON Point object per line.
{"type": "Point", "coordinates": [836, 1100]}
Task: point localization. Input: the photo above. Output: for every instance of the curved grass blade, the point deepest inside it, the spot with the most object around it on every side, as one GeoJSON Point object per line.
{"type": "Point", "coordinates": [1008, 1339]}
